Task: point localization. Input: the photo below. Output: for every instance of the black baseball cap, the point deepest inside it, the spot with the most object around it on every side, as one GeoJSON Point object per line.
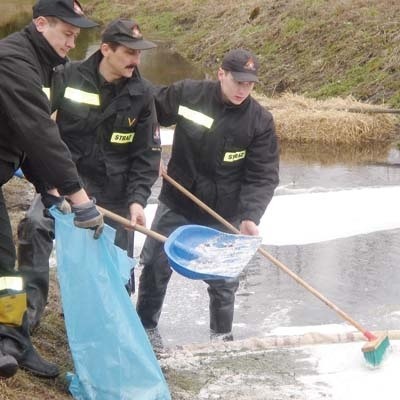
{"type": "Point", "coordinates": [242, 64]}
{"type": "Point", "coordinates": [69, 11]}
{"type": "Point", "coordinates": [127, 33]}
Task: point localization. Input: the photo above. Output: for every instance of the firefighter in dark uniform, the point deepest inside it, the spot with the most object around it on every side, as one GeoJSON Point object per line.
{"type": "Point", "coordinates": [225, 152]}
{"type": "Point", "coordinates": [28, 135]}
{"type": "Point", "coordinates": [107, 118]}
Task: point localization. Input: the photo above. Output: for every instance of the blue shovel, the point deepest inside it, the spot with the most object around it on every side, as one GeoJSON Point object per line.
{"type": "Point", "coordinates": [199, 252]}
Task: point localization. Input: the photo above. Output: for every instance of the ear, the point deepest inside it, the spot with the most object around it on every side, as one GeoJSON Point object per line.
{"type": "Point", "coordinates": [41, 24]}
{"type": "Point", "coordinates": [105, 49]}
{"type": "Point", "coordinates": [221, 74]}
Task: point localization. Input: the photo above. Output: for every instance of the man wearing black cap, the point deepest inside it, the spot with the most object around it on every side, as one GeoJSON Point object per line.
{"type": "Point", "coordinates": [107, 118]}
{"type": "Point", "coordinates": [225, 152]}
{"type": "Point", "coordinates": [28, 136]}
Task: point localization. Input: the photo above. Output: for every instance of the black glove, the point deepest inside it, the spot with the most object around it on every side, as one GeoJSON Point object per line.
{"type": "Point", "coordinates": [87, 216]}
{"type": "Point", "coordinates": [60, 202]}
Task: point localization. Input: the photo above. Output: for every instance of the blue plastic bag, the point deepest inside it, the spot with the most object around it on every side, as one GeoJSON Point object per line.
{"type": "Point", "coordinates": [112, 355]}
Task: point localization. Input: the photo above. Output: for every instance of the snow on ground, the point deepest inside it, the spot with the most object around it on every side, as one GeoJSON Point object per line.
{"type": "Point", "coordinates": [252, 369]}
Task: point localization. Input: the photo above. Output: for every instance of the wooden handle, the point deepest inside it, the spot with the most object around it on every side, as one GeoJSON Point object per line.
{"type": "Point", "coordinates": [196, 200]}
{"type": "Point", "coordinates": [125, 222]}
{"type": "Point", "coordinates": [271, 258]}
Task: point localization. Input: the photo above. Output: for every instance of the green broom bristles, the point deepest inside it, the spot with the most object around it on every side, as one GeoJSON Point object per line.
{"type": "Point", "coordinates": [375, 349]}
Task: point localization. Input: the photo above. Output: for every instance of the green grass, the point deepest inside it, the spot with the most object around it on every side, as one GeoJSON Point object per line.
{"type": "Point", "coordinates": [319, 47]}
{"type": "Point", "coordinates": [293, 26]}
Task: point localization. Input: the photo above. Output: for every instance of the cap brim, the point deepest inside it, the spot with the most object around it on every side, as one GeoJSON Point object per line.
{"type": "Point", "coordinates": [244, 76]}
{"type": "Point", "coordinates": [138, 44]}
{"type": "Point", "coordinates": [80, 22]}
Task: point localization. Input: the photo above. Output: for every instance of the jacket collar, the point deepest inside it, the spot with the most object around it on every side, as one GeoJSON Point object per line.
{"type": "Point", "coordinates": [90, 71]}
{"type": "Point", "coordinates": [46, 54]}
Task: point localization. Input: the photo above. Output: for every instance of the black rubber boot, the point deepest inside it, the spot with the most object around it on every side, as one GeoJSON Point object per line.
{"type": "Point", "coordinates": [8, 365]}
{"type": "Point", "coordinates": [156, 342]}
{"type": "Point", "coordinates": [35, 243]}
{"type": "Point", "coordinates": [221, 337]}
{"type": "Point", "coordinates": [16, 342]}
{"type": "Point", "coordinates": [222, 302]}
{"type": "Point", "coordinates": [29, 359]}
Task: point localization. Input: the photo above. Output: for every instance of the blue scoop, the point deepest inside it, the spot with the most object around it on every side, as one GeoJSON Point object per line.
{"type": "Point", "coordinates": [199, 252]}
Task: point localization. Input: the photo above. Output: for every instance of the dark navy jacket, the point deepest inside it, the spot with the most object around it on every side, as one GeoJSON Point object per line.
{"type": "Point", "coordinates": [26, 129]}
{"type": "Point", "coordinates": [226, 155]}
{"type": "Point", "coordinates": [111, 130]}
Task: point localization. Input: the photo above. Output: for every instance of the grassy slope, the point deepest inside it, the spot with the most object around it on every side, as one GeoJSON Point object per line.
{"type": "Point", "coordinates": [320, 48]}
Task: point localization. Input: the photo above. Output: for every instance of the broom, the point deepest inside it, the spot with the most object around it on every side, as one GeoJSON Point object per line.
{"type": "Point", "coordinates": [374, 350]}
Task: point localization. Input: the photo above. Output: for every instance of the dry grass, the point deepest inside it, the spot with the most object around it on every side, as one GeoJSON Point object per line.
{"type": "Point", "coordinates": [304, 120]}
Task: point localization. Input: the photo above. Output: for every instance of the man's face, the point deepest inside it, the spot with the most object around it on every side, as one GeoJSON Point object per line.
{"type": "Point", "coordinates": [119, 63]}
{"type": "Point", "coordinates": [232, 90]}
{"type": "Point", "coordinates": [60, 35]}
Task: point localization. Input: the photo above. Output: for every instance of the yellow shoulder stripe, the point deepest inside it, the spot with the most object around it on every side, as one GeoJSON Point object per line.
{"type": "Point", "coordinates": [195, 116]}
{"type": "Point", "coordinates": [80, 96]}
{"type": "Point", "coordinates": [11, 282]}
{"type": "Point", "coordinates": [46, 91]}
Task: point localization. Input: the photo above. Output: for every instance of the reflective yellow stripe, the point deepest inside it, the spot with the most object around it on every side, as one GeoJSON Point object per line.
{"type": "Point", "coordinates": [11, 282]}
{"type": "Point", "coordinates": [238, 155]}
{"type": "Point", "coordinates": [195, 116]}
{"type": "Point", "coordinates": [79, 96]}
{"type": "Point", "coordinates": [117, 137]}
{"type": "Point", "coordinates": [46, 91]}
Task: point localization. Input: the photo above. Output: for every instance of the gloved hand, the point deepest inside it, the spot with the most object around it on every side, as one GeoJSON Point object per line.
{"type": "Point", "coordinates": [60, 202]}
{"type": "Point", "coordinates": [87, 216]}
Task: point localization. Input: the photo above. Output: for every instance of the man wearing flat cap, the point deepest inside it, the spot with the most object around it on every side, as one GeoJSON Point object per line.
{"type": "Point", "coordinates": [225, 152]}
{"type": "Point", "coordinates": [29, 137]}
{"type": "Point", "coordinates": [106, 117]}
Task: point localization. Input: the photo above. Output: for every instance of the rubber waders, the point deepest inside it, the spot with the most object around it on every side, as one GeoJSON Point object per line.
{"type": "Point", "coordinates": [16, 348]}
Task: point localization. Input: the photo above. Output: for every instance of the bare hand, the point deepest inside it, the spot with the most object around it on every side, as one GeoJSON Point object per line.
{"type": "Point", "coordinates": [137, 214]}
{"type": "Point", "coordinates": [248, 227]}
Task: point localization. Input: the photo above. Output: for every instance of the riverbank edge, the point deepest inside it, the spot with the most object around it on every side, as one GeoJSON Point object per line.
{"type": "Point", "coordinates": [314, 48]}
{"type": "Point", "coordinates": [299, 117]}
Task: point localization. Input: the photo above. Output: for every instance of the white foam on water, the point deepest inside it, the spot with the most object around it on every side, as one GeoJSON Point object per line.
{"type": "Point", "coordinates": [316, 217]}
{"type": "Point", "coordinates": [224, 257]}
{"type": "Point", "coordinates": [341, 373]}
{"type": "Point", "coordinates": [301, 330]}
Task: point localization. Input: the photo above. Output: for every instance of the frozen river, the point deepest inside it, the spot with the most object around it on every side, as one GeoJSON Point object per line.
{"type": "Point", "coordinates": [338, 227]}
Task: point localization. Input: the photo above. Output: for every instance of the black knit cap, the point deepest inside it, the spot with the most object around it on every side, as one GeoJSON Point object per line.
{"type": "Point", "coordinates": [69, 11]}
{"type": "Point", "coordinates": [127, 33]}
{"type": "Point", "coordinates": [242, 64]}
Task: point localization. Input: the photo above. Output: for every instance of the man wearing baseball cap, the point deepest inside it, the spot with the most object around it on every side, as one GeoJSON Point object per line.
{"type": "Point", "coordinates": [29, 137]}
{"type": "Point", "coordinates": [225, 151]}
{"type": "Point", "coordinates": [107, 118]}
{"type": "Point", "coordinates": [69, 11]}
